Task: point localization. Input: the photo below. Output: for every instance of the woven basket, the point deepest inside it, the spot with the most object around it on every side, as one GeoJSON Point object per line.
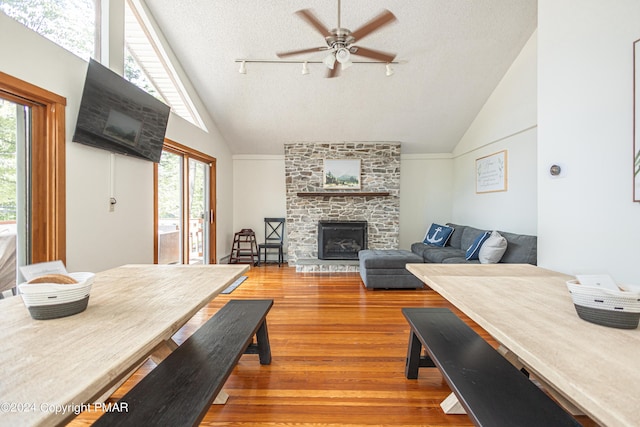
{"type": "Point", "coordinates": [616, 309]}
{"type": "Point", "coordinates": [52, 300]}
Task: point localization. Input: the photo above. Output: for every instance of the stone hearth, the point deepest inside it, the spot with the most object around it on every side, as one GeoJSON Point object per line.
{"type": "Point", "coordinates": [377, 201]}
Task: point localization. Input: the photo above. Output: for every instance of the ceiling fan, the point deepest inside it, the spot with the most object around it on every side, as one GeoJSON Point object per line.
{"type": "Point", "coordinates": [340, 41]}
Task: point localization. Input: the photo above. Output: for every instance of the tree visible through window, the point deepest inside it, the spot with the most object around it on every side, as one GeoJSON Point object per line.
{"type": "Point", "coordinates": [8, 170]}
{"type": "Point", "coordinates": [68, 23]}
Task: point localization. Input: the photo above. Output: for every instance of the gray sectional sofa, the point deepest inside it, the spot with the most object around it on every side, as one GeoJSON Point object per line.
{"type": "Point", "coordinates": [386, 268]}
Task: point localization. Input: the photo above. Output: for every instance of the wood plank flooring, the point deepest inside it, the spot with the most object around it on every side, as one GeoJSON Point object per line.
{"type": "Point", "coordinates": [338, 357]}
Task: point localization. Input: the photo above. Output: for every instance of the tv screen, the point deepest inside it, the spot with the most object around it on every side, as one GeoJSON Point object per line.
{"type": "Point", "coordinates": [118, 116]}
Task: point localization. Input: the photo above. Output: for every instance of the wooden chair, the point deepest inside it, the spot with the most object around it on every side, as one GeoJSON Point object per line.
{"type": "Point", "coordinates": [273, 239]}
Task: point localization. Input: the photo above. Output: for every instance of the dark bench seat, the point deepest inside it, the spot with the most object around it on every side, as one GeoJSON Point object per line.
{"type": "Point", "coordinates": [180, 390]}
{"type": "Point", "coordinates": [492, 391]}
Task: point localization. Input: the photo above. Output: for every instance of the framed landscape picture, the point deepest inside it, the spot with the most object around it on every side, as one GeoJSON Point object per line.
{"type": "Point", "coordinates": [341, 174]}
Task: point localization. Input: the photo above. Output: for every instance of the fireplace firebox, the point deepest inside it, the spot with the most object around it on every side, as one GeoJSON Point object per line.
{"type": "Point", "coordinates": [341, 239]}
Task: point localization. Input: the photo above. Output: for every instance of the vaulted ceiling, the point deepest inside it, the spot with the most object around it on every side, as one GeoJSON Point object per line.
{"type": "Point", "coordinates": [452, 54]}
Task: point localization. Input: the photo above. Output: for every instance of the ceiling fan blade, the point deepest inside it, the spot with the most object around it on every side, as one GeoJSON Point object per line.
{"type": "Point", "coordinates": [298, 52]}
{"type": "Point", "coordinates": [373, 54]}
{"type": "Point", "coordinates": [385, 18]}
{"type": "Point", "coordinates": [333, 72]}
{"type": "Point", "coordinates": [311, 19]}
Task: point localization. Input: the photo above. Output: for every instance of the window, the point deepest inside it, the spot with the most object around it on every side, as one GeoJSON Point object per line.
{"type": "Point", "coordinates": [71, 24]}
{"type": "Point", "coordinates": [185, 204]}
{"type": "Point", "coordinates": [147, 65]}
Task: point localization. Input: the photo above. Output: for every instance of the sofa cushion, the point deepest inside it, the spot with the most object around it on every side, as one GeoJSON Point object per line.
{"type": "Point", "coordinates": [493, 249]}
{"type": "Point", "coordinates": [437, 255]}
{"type": "Point", "coordinates": [521, 248]}
{"type": "Point", "coordinates": [437, 235]}
{"type": "Point", "coordinates": [470, 234]}
{"type": "Point", "coordinates": [430, 253]}
{"type": "Point", "coordinates": [418, 248]}
{"type": "Point", "coordinates": [456, 237]}
{"type": "Point", "coordinates": [474, 249]}
{"type": "Point", "coordinates": [459, 260]}
{"type": "Point", "coordinates": [387, 259]}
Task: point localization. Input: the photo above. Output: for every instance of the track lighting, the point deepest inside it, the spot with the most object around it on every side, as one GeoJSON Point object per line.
{"type": "Point", "coordinates": [389, 70]}
{"type": "Point", "coordinates": [344, 58]}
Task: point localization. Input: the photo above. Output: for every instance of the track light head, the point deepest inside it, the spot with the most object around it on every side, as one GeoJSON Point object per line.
{"type": "Point", "coordinates": [389, 71]}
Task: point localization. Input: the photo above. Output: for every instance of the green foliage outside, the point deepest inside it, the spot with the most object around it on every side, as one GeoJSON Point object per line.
{"type": "Point", "coordinates": [169, 188]}
{"type": "Point", "coordinates": [8, 172]}
{"type": "Point", "coordinates": [68, 23]}
{"type": "Point", "coordinates": [136, 75]}
{"type": "Point", "coordinates": [169, 195]}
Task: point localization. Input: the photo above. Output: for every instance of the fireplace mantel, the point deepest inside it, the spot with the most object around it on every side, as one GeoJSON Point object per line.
{"type": "Point", "coordinates": [344, 194]}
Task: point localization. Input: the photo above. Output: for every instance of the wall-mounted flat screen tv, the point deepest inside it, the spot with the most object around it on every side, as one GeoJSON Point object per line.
{"type": "Point", "coordinates": [118, 116]}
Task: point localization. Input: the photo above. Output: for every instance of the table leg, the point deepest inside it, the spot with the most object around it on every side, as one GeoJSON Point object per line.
{"type": "Point", "coordinates": [162, 350]}
{"type": "Point", "coordinates": [452, 406]}
{"type": "Point", "coordinates": [221, 398]}
{"type": "Point", "coordinates": [515, 361]}
{"type": "Point", "coordinates": [103, 398]}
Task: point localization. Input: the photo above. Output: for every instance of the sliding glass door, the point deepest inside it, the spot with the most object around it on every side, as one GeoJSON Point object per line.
{"type": "Point", "coordinates": [15, 166]}
{"type": "Point", "coordinates": [32, 175]}
{"type": "Point", "coordinates": [169, 228]}
{"type": "Point", "coordinates": [185, 215]}
{"type": "Point", "coordinates": [199, 208]}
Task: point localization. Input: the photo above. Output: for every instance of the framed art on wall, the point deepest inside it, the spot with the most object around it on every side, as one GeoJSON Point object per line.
{"type": "Point", "coordinates": [341, 174]}
{"type": "Point", "coordinates": [491, 173]}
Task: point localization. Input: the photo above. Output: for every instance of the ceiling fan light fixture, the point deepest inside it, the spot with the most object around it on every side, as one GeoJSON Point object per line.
{"type": "Point", "coordinates": [343, 55]}
{"type": "Point", "coordinates": [243, 68]}
{"type": "Point", "coordinates": [305, 68]}
{"type": "Point", "coordinates": [389, 71]}
{"type": "Point", "coordinates": [330, 60]}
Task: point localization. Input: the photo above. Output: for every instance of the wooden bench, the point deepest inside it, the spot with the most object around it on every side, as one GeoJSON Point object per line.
{"type": "Point", "coordinates": [180, 390]}
{"type": "Point", "coordinates": [492, 391]}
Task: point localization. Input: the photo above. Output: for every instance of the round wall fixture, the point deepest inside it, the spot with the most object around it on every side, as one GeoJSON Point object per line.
{"type": "Point", "coordinates": [555, 170]}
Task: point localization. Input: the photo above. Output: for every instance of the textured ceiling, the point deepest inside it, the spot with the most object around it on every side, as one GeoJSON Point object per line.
{"type": "Point", "coordinates": [454, 53]}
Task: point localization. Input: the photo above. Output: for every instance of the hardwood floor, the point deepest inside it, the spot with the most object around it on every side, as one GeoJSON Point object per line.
{"type": "Point", "coordinates": [338, 357]}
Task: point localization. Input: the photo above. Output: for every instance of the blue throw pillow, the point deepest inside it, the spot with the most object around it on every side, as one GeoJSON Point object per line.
{"type": "Point", "coordinates": [438, 235]}
{"type": "Point", "coordinates": [474, 249]}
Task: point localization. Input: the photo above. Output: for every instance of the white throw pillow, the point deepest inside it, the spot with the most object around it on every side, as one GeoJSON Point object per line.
{"type": "Point", "coordinates": [493, 248]}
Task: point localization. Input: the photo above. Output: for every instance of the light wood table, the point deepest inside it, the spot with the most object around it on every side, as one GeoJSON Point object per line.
{"type": "Point", "coordinates": [529, 311]}
{"type": "Point", "coordinates": [57, 365]}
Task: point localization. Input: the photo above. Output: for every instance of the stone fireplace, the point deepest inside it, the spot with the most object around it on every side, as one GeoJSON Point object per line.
{"type": "Point", "coordinates": [376, 202]}
{"type": "Point", "coordinates": [341, 240]}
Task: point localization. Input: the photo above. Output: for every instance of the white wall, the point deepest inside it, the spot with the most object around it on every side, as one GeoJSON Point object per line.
{"type": "Point", "coordinates": [96, 238]}
{"type": "Point", "coordinates": [259, 192]}
{"type": "Point", "coordinates": [425, 194]}
{"type": "Point", "coordinates": [507, 121]}
{"type": "Point", "coordinates": [587, 219]}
